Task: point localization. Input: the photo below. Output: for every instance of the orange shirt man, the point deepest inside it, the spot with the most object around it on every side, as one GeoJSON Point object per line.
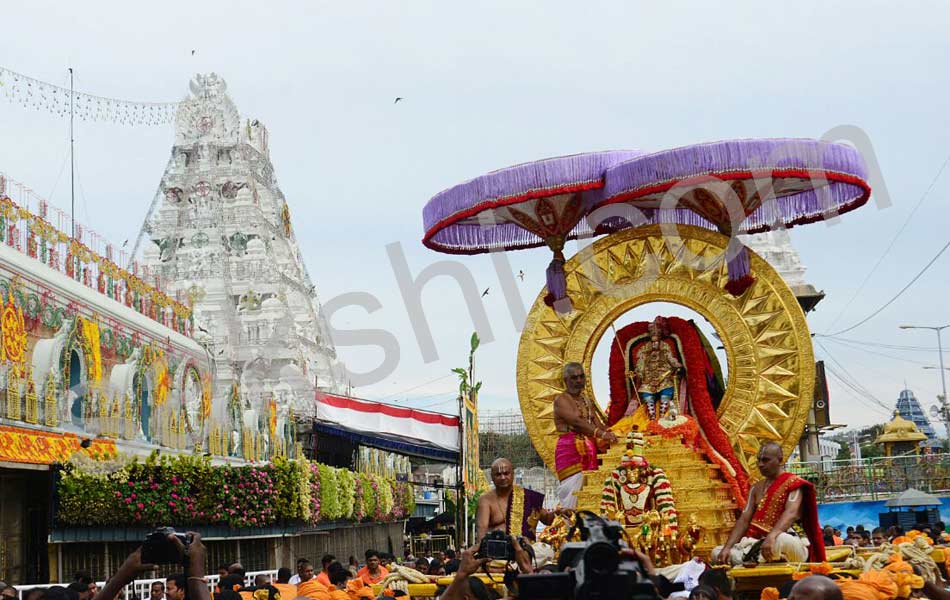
{"type": "Point", "coordinates": [373, 572]}
{"type": "Point", "coordinates": [309, 586]}
{"type": "Point", "coordinates": [325, 562]}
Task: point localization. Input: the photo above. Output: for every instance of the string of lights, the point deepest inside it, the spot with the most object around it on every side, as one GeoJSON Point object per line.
{"type": "Point", "coordinates": [40, 95]}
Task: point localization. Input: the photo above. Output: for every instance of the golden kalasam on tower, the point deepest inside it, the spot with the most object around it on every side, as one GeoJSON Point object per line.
{"type": "Point", "coordinates": [766, 396]}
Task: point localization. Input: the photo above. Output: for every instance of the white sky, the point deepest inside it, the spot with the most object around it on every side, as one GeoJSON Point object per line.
{"type": "Point", "coordinates": [489, 84]}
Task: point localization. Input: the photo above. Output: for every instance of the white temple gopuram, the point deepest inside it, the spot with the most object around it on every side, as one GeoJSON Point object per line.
{"type": "Point", "coordinates": [219, 235]}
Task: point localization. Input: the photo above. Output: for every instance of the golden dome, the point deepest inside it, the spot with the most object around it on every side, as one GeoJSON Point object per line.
{"type": "Point", "coordinates": [900, 430]}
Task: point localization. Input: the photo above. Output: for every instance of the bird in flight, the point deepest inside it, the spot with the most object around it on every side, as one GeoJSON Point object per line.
{"type": "Point", "coordinates": [398, 98]}
{"type": "Point", "coordinates": [485, 293]}
{"type": "Point", "coordinates": [192, 52]}
{"type": "Point", "coordinates": [521, 275]}
{"type": "Point", "coordinates": [125, 243]}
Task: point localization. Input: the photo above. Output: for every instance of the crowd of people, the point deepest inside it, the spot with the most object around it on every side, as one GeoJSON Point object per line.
{"type": "Point", "coordinates": [333, 580]}
{"type": "Point", "coordinates": [82, 588]}
{"type": "Point", "coordinates": [336, 580]}
{"type": "Point", "coordinates": [860, 537]}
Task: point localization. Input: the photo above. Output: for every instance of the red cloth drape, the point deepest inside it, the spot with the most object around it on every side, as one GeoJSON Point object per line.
{"type": "Point", "coordinates": [770, 509]}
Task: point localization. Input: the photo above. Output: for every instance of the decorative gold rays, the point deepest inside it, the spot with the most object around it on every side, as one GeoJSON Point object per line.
{"type": "Point", "coordinates": [768, 347]}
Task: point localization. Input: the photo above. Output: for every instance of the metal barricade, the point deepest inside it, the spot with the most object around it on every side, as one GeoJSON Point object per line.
{"type": "Point", "coordinates": [141, 587]}
{"type": "Point", "coordinates": [876, 478]}
{"type": "Point", "coordinates": [419, 545]}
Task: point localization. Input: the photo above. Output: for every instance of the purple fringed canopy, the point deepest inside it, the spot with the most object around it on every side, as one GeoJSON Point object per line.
{"type": "Point", "coordinates": [484, 213]}
{"type": "Point", "coordinates": [777, 182]}
{"type": "Point", "coordinates": [524, 206]}
{"type": "Point", "coordinates": [736, 186]}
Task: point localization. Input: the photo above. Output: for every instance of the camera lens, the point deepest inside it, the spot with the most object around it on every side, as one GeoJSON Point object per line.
{"type": "Point", "coordinates": [601, 558]}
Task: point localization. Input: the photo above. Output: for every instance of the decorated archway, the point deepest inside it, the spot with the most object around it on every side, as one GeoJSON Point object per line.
{"type": "Point", "coordinates": [771, 376]}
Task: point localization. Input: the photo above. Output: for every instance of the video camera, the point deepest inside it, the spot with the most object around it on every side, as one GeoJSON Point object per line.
{"type": "Point", "coordinates": [157, 549]}
{"type": "Point", "coordinates": [592, 568]}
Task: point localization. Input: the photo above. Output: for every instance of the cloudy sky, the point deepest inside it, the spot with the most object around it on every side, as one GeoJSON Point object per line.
{"type": "Point", "coordinates": [489, 84]}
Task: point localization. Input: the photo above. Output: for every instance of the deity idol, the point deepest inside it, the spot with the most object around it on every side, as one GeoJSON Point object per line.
{"type": "Point", "coordinates": [665, 380]}
{"type": "Point", "coordinates": [656, 372]}
{"type": "Point", "coordinates": [635, 489]}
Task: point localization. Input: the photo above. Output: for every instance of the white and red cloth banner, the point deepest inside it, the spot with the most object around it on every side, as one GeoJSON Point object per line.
{"type": "Point", "coordinates": [375, 417]}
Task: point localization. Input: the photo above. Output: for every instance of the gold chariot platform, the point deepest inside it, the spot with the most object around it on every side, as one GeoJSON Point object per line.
{"type": "Point", "coordinates": [699, 488]}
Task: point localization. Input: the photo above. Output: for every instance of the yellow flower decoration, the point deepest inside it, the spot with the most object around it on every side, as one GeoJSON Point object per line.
{"type": "Point", "coordinates": [206, 395]}
{"type": "Point", "coordinates": [162, 382]}
{"type": "Point", "coordinates": [272, 416]}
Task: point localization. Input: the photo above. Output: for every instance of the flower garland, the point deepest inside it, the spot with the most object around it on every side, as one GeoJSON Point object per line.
{"type": "Point", "coordinates": [403, 500]}
{"type": "Point", "coordinates": [346, 493]}
{"type": "Point", "coordinates": [303, 471]}
{"type": "Point", "coordinates": [369, 489]}
{"type": "Point", "coordinates": [329, 493]}
{"type": "Point", "coordinates": [359, 504]}
{"type": "Point", "coordinates": [78, 251]}
{"type": "Point", "coordinates": [385, 500]}
{"type": "Point", "coordinates": [188, 490]}
{"type": "Point", "coordinates": [314, 482]}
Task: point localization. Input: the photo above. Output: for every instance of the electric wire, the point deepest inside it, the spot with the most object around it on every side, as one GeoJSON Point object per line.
{"type": "Point", "coordinates": [856, 395]}
{"type": "Point", "coordinates": [901, 347]}
{"type": "Point", "coordinates": [854, 382]}
{"type": "Point", "coordinates": [890, 246]}
{"type": "Point", "coordinates": [862, 349]}
{"type": "Point", "coordinates": [896, 296]}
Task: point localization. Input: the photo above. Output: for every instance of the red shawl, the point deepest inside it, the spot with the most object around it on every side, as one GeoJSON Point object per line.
{"type": "Point", "coordinates": [771, 506]}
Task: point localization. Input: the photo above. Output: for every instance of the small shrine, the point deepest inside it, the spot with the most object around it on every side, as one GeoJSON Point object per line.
{"type": "Point", "coordinates": [900, 437]}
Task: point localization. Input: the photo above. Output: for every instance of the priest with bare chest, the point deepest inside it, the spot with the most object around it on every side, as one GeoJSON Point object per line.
{"type": "Point", "coordinates": [509, 507]}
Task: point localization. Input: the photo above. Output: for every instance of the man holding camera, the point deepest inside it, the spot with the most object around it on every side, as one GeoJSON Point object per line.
{"type": "Point", "coordinates": [191, 553]}
{"type": "Point", "coordinates": [509, 507]}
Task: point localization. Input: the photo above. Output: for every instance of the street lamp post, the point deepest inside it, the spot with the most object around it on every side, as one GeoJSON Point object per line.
{"type": "Point", "coordinates": [944, 409]}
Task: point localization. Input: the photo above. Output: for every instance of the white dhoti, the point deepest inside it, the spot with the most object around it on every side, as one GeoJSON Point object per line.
{"type": "Point", "coordinates": [567, 490]}
{"type": "Point", "coordinates": [790, 548]}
